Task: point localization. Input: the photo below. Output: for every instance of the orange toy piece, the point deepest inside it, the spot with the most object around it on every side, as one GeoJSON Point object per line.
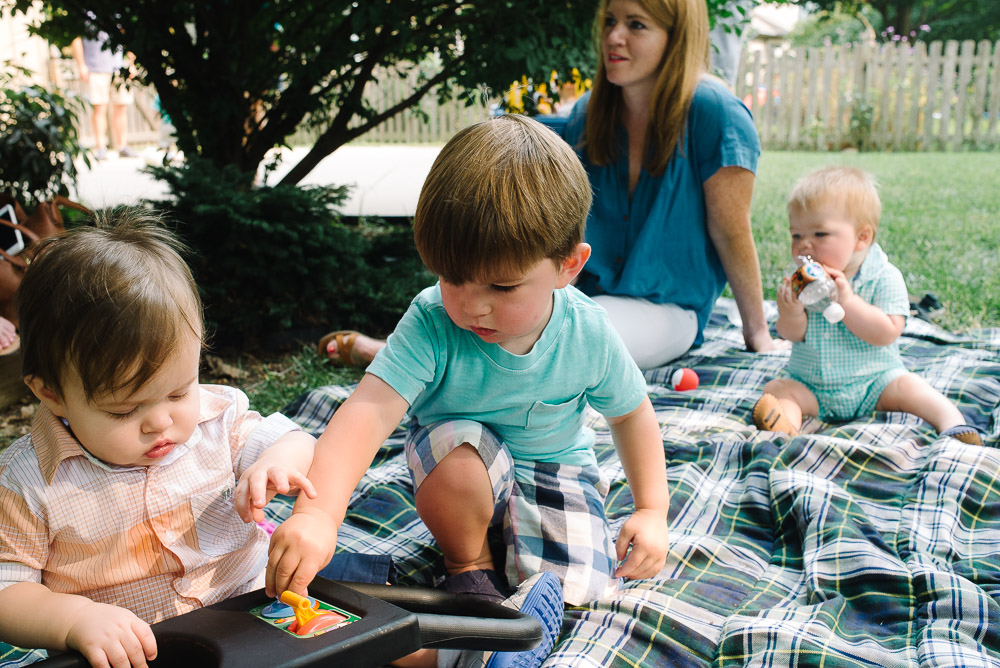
{"type": "Point", "coordinates": [309, 618]}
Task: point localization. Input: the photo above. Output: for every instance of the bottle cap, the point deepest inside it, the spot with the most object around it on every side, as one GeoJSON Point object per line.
{"type": "Point", "coordinates": [833, 313]}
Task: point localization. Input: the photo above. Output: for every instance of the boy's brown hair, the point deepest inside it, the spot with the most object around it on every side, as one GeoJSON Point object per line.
{"type": "Point", "coordinates": [501, 196]}
{"type": "Point", "coordinates": [850, 187]}
{"type": "Point", "coordinates": [112, 299]}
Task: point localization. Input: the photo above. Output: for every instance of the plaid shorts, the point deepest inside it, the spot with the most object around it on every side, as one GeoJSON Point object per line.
{"type": "Point", "coordinates": [552, 514]}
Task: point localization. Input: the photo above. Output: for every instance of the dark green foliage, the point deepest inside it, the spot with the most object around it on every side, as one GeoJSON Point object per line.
{"type": "Point", "coordinates": [237, 78]}
{"type": "Point", "coordinates": [38, 138]}
{"type": "Point", "coordinates": [274, 260]}
{"type": "Point", "coordinates": [939, 19]}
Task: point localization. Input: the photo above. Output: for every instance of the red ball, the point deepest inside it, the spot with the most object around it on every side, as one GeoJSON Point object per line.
{"type": "Point", "coordinates": [684, 379]}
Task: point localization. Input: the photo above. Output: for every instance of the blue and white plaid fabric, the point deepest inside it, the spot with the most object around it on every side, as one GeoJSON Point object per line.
{"type": "Point", "coordinates": [868, 543]}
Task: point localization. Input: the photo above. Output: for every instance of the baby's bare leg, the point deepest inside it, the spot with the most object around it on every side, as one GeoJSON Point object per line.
{"type": "Point", "coordinates": [795, 399]}
{"type": "Point", "coordinates": [455, 501]}
{"type": "Point", "coordinates": [912, 394]}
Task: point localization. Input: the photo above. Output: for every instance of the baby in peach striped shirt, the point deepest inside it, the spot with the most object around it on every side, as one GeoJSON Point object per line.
{"type": "Point", "coordinates": [136, 495]}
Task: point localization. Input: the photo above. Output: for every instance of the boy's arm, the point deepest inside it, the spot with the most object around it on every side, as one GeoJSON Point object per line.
{"type": "Point", "coordinates": [280, 469]}
{"type": "Point", "coordinates": [640, 447]}
{"type": "Point", "coordinates": [866, 321]}
{"type": "Point", "coordinates": [304, 543]}
{"type": "Point", "coordinates": [32, 615]}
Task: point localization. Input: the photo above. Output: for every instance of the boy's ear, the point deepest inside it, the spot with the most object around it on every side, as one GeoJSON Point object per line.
{"type": "Point", "coordinates": [866, 235]}
{"type": "Point", "coordinates": [47, 396]}
{"type": "Point", "coordinates": [573, 265]}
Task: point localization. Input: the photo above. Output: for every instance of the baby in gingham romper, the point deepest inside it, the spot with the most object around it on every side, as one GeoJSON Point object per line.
{"type": "Point", "coordinates": [843, 370]}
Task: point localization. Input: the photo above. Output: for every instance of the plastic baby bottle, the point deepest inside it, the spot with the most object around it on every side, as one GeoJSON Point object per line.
{"type": "Point", "coordinates": [816, 290]}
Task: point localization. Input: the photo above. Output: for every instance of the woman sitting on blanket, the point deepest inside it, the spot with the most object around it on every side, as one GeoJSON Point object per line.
{"type": "Point", "coordinates": [671, 155]}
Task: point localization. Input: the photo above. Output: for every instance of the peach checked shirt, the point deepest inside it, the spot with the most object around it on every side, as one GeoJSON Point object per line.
{"type": "Point", "coordinates": [159, 540]}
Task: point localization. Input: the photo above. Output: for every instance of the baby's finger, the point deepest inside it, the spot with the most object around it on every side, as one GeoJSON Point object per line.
{"type": "Point", "coordinates": [146, 638]}
{"type": "Point", "coordinates": [303, 483]}
{"type": "Point", "coordinates": [118, 658]}
{"type": "Point", "coordinates": [279, 480]}
{"type": "Point", "coordinates": [96, 657]}
{"type": "Point", "coordinates": [258, 490]}
{"type": "Point", "coordinates": [135, 654]}
{"type": "Point", "coordinates": [241, 499]}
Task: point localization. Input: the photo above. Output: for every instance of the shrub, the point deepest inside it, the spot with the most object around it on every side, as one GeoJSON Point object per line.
{"type": "Point", "coordinates": [278, 260]}
{"type": "Point", "coordinates": [38, 138]}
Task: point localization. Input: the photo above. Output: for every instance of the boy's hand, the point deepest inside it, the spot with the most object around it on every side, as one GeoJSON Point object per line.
{"type": "Point", "coordinates": [300, 547]}
{"type": "Point", "coordinates": [107, 635]}
{"type": "Point", "coordinates": [646, 532]}
{"type": "Point", "coordinates": [262, 481]}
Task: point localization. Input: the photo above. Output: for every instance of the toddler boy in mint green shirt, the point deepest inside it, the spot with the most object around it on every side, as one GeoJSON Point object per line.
{"type": "Point", "coordinates": [495, 366]}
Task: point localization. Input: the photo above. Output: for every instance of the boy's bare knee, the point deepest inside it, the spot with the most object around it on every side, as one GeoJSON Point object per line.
{"type": "Point", "coordinates": [459, 479]}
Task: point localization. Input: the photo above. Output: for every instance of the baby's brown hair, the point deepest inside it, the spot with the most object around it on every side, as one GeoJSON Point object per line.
{"type": "Point", "coordinates": [502, 195]}
{"type": "Point", "coordinates": [111, 298]}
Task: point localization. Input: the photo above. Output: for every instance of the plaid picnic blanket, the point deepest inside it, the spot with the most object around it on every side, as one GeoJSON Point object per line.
{"type": "Point", "coordinates": [871, 543]}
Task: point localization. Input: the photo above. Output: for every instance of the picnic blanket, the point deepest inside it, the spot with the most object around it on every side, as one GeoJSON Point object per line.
{"type": "Point", "coordinates": [871, 543]}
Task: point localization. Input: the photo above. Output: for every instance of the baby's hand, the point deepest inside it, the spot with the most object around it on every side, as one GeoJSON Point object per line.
{"type": "Point", "coordinates": [788, 301]}
{"type": "Point", "coordinates": [646, 532]}
{"type": "Point", "coordinates": [300, 546]}
{"type": "Point", "coordinates": [844, 289]}
{"type": "Point", "coordinates": [262, 481]}
{"type": "Point", "coordinates": [107, 635]}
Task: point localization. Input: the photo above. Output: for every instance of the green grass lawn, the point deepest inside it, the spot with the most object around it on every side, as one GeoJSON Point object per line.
{"type": "Point", "coordinates": [940, 226]}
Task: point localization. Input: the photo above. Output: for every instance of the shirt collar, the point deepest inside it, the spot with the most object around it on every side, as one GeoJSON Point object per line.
{"type": "Point", "coordinates": [54, 443]}
{"type": "Point", "coordinates": [871, 266]}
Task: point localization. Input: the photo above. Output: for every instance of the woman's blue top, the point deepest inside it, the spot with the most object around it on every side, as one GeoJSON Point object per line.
{"type": "Point", "coordinates": [656, 244]}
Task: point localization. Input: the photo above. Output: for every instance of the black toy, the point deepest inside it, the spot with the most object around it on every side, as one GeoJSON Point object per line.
{"type": "Point", "coordinates": [366, 625]}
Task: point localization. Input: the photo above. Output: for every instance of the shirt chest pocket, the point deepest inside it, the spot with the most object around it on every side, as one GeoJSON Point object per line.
{"type": "Point", "coordinates": [220, 529]}
{"type": "Point", "coordinates": [544, 415]}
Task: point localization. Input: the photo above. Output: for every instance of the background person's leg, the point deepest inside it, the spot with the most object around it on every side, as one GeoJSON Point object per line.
{"type": "Point", "coordinates": [654, 334]}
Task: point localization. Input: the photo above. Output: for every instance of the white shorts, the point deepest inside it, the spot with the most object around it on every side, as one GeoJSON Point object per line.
{"type": "Point", "coordinates": [654, 334]}
{"type": "Point", "coordinates": [100, 90]}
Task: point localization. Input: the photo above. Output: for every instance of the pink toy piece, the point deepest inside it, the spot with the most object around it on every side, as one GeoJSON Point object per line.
{"type": "Point", "coordinates": [684, 379]}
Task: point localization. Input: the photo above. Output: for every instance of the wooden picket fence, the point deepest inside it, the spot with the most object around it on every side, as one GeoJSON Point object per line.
{"type": "Point", "coordinates": [941, 96]}
{"type": "Point", "coordinates": [904, 97]}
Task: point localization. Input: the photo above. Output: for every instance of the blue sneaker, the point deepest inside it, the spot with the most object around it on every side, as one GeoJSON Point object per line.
{"type": "Point", "coordinates": [541, 597]}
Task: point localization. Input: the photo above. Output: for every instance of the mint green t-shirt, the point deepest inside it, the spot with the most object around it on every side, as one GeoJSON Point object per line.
{"type": "Point", "coordinates": [535, 403]}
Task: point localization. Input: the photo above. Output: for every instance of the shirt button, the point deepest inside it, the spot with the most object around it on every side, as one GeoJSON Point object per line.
{"type": "Point", "coordinates": [625, 217]}
{"type": "Point", "coordinates": [618, 260]}
{"type": "Point", "coordinates": [170, 536]}
{"type": "Point", "coordinates": [183, 583]}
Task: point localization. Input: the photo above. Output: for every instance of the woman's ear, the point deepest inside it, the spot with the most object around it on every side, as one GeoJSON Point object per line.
{"type": "Point", "coordinates": [49, 398]}
{"type": "Point", "coordinates": [573, 265]}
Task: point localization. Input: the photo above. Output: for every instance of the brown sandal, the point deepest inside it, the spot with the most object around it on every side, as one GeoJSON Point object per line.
{"type": "Point", "coordinates": [345, 339]}
{"type": "Point", "coordinates": [769, 416]}
{"type": "Point", "coordinates": [965, 434]}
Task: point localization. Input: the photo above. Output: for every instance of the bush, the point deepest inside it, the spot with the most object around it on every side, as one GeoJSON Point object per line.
{"type": "Point", "coordinates": [274, 261]}
{"type": "Point", "coordinates": [38, 139]}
